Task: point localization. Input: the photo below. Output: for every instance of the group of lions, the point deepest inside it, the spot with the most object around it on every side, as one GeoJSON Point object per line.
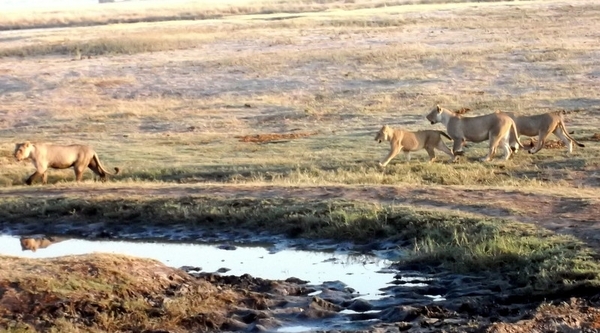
{"type": "Point", "coordinates": [502, 129]}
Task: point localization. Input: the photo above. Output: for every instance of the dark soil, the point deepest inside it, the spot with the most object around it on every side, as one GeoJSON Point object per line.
{"type": "Point", "coordinates": [162, 298]}
{"type": "Point", "coordinates": [266, 138]}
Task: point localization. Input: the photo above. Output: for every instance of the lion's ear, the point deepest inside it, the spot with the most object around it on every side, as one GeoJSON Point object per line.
{"type": "Point", "coordinates": [439, 109]}
{"type": "Point", "coordinates": [27, 144]}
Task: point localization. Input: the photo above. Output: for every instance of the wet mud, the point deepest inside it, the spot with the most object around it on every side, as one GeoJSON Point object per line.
{"type": "Point", "coordinates": [416, 299]}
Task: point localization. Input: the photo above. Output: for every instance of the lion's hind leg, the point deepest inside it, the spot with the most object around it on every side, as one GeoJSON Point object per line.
{"type": "Point", "coordinates": [93, 165]}
{"type": "Point", "coordinates": [442, 147]}
{"type": "Point", "coordinates": [78, 172]}
{"type": "Point", "coordinates": [494, 141]}
{"type": "Point", "coordinates": [505, 143]}
{"type": "Point", "coordinates": [561, 135]}
{"type": "Point", "coordinates": [431, 153]}
{"type": "Point", "coordinates": [542, 136]}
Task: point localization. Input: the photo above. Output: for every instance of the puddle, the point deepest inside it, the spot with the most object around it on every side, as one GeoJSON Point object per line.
{"type": "Point", "coordinates": [436, 298]}
{"type": "Point", "coordinates": [366, 274]}
{"type": "Point", "coordinates": [296, 329]}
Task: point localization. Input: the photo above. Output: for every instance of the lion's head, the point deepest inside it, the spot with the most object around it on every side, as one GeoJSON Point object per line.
{"type": "Point", "coordinates": [435, 115]}
{"type": "Point", "coordinates": [22, 150]}
{"type": "Point", "coordinates": [384, 134]}
{"type": "Point", "coordinates": [29, 244]}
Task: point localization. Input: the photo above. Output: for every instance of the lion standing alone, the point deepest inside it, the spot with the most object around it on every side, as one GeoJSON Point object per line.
{"type": "Point", "coordinates": [46, 155]}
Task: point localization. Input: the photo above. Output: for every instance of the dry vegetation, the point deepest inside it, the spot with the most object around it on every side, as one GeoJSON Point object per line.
{"type": "Point", "coordinates": [86, 14]}
{"type": "Point", "coordinates": [106, 293]}
{"type": "Point", "coordinates": [173, 114]}
{"type": "Point", "coordinates": [258, 99]}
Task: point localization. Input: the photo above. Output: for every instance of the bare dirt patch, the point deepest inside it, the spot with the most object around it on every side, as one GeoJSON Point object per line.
{"type": "Point", "coordinates": [462, 110]}
{"type": "Point", "coordinates": [548, 144]}
{"type": "Point", "coordinates": [595, 137]}
{"type": "Point", "coordinates": [273, 137]}
{"type": "Point", "coordinates": [576, 315]}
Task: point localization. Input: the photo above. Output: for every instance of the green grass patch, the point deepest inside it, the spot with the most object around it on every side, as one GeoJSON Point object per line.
{"type": "Point", "coordinates": [525, 255]}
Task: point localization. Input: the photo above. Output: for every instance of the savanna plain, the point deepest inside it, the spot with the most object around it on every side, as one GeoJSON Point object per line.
{"type": "Point", "coordinates": [250, 117]}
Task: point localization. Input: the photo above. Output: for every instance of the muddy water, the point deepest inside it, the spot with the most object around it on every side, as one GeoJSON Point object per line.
{"type": "Point", "coordinates": [366, 274]}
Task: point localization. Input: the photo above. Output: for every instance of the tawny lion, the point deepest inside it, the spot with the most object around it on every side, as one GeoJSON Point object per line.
{"type": "Point", "coordinates": [406, 141]}
{"type": "Point", "coordinates": [542, 125]}
{"type": "Point", "coordinates": [496, 127]}
{"type": "Point", "coordinates": [46, 155]}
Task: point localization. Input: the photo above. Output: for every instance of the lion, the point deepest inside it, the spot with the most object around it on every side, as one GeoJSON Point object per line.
{"type": "Point", "coordinates": [46, 155]}
{"type": "Point", "coordinates": [38, 242]}
{"type": "Point", "coordinates": [406, 141]}
{"type": "Point", "coordinates": [542, 125]}
{"type": "Point", "coordinates": [496, 127]}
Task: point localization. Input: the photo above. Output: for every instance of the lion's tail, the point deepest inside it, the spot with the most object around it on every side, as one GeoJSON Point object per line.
{"type": "Point", "coordinates": [101, 167]}
{"type": "Point", "coordinates": [446, 135]}
{"type": "Point", "coordinates": [513, 126]}
{"type": "Point", "coordinates": [564, 129]}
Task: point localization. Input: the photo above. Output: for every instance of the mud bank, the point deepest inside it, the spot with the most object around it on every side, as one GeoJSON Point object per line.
{"type": "Point", "coordinates": [119, 293]}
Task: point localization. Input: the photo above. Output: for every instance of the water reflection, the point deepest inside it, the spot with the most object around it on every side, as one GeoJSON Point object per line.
{"type": "Point", "coordinates": [364, 273]}
{"type": "Point", "coordinates": [34, 243]}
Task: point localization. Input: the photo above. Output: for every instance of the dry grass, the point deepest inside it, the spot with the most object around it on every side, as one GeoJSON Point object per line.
{"type": "Point", "coordinates": [173, 114]}
{"type": "Point", "coordinates": [100, 293]}
{"type": "Point", "coordinates": [133, 12]}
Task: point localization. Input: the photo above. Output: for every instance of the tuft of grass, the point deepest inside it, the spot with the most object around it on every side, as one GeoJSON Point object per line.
{"type": "Point", "coordinates": [524, 254]}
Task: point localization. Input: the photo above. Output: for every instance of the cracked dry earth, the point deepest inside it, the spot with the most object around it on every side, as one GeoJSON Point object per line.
{"type": "Point", "coordinates": [471, 305]}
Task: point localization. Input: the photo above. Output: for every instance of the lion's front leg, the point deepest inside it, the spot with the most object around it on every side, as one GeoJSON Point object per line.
{"type": "Point", "coordinates": [457, 146]}
{"type": "Point", "coordinates": [35, 175]}
{"type": "Point", "coordinates": [391, 155]}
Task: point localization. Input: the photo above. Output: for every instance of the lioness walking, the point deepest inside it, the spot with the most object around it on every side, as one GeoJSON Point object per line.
{"type": "Point", "coordinates": [495, 127]}
{"type": "Point", "coordinates": [406, 141]}
{"type": "Point", "coordinates": [46, 155]}
{"type": "Point", "coordinates": [542, 125]}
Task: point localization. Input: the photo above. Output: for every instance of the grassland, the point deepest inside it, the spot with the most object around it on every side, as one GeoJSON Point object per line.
{"type": "Point", "coordinates": [86, 14]}
{"type": "Point", "coordinates": [168, 101]}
